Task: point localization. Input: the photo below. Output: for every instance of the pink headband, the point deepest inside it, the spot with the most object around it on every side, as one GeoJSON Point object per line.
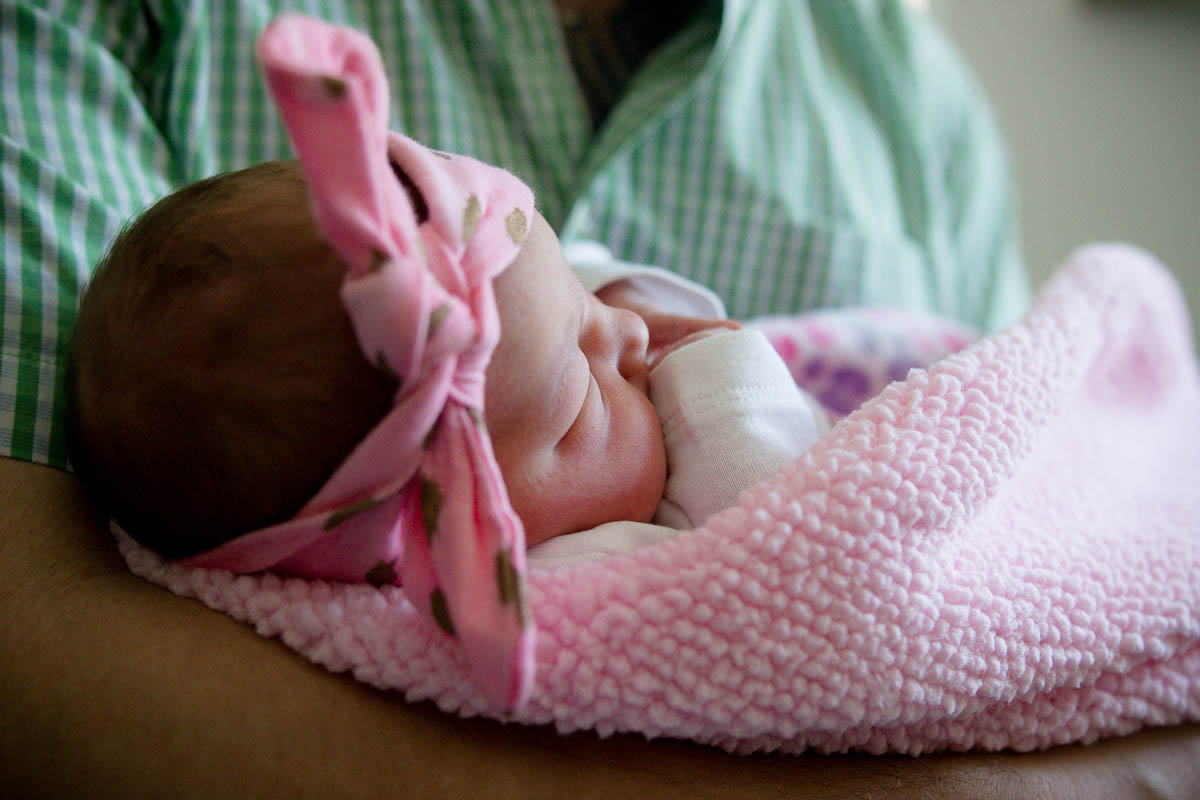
{"type": "Point", "coordinates": [420, 502]}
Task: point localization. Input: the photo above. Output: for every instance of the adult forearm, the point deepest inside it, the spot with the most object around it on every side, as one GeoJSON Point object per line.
{"type": "Point", "coordinates": [115, 688]}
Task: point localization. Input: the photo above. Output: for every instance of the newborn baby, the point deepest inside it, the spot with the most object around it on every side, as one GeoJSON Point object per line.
{"type": "Point", "coordinates": [217, 382]}
{"type": "Point", "coordinates": [465, 398]}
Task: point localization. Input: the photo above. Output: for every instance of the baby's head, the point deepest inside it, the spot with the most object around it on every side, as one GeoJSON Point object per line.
{"type": "Point", "coordinates": [216, 382]}
{"type": "Point", "coordinates": [214, 378]}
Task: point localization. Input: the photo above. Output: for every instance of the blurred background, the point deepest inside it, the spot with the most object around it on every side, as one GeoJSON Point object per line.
{"type": "Point", "coordinates": [1100, 103]}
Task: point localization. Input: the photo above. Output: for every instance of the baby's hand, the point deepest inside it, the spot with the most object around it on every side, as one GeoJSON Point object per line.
{"type": "Point", "coordinates": [667, 331]}
{"type": "Point", "coordinates": [657, 355]}
{"type": "Point", "coordinates": [671, 330]}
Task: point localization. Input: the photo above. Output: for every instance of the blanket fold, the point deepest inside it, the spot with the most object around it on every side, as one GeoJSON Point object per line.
{"type": "Point", "coordinates": [1000, 551]}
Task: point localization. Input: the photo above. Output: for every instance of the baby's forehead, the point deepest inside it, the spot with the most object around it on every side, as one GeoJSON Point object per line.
{"type": "Point", "coordinates": [538, 277]}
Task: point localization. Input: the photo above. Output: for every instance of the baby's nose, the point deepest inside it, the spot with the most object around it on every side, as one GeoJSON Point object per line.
{"type": "Point", "coordinates": [633, 339]}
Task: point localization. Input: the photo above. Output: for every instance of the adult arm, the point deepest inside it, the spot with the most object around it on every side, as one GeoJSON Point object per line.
{"type": "Point", "coordinates": [115, 688]}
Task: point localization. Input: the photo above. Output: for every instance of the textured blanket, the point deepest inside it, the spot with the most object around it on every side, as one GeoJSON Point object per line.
{"type": "Point", "coordinates": [1000, 551]}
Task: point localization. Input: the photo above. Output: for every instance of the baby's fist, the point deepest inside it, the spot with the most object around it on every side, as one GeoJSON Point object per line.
{"type": "Point", "coordinates": [658, 354]}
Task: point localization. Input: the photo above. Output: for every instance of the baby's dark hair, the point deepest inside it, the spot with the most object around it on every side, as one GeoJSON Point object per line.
{"type": "Point", "coordinates": [214, 381]}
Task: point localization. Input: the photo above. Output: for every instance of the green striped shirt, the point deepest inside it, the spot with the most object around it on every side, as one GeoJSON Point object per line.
{"type": "Point", "coordinates": [787, 154]}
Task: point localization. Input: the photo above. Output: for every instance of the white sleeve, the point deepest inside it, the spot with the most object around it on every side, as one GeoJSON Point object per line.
{"type": "Point", "coordinates": [596, 268]}
{"type": "Point", "coordinates": [731, 417]}
{"type": "Point", "coordinates": [611, 539]}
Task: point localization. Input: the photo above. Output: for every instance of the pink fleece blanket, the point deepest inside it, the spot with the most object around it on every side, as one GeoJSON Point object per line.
{"type": "Point", "coordinates": [1002, 551]}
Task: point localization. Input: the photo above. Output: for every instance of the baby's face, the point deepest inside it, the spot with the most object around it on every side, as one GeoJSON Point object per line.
{"type": "Point", "coordinates": [566, 404]}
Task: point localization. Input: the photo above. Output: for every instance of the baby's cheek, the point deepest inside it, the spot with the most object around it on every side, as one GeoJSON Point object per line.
{"type": "Point", "coordinates": [541, 486]}
{"type": "Point", "coordinates": [563, 490]}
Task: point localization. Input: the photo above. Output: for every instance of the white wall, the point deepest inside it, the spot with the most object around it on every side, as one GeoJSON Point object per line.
{"type": "Point", "coordinates": [1100, 103]}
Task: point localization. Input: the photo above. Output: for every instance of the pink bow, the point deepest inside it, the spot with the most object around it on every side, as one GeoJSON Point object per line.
{"type": "Point", "coordinates": [420, 502]}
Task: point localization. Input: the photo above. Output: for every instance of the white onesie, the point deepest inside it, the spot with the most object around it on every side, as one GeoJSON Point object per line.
{"type": "Point", "coordinates": [730, 411]}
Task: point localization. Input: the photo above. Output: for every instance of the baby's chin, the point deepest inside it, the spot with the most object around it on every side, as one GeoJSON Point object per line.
{"type": "Point", "coordinates": [649, 494]}
{"type": "Point", "coordinates": [636, 501]}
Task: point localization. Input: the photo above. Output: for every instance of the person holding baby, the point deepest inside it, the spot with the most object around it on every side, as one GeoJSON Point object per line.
{"type": "Point", "coordinates": [347, 703]}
